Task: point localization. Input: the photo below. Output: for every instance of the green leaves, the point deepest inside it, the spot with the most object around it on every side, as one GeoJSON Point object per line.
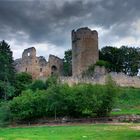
{"type": "Point", "coordinates": [67, 63]}
{"type": "Point", "coordinates": [38, 85]}
{"type": "Point", "coordinates": [29, 105]}
{"type": "Point", "coordinates": [22, 81]}
{"type": "Point", "coordinates": [124, 59]}
{"type": "Point", "coordinates": [7, 71]}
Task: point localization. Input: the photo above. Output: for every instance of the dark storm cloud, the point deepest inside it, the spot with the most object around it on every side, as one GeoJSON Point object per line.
{"type": "Point", "coordinates": [52, 20]}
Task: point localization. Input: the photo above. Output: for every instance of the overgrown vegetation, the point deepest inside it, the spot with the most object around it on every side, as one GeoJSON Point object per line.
{"type": "Point", "coordinates": [103, 63]}
{"type": "Point", "coordinates": [28, 105]}
{"type": "Point", "coordinates": [21, 98]}
{"type": "Point", "coordinates": [89, 72]}
{"type": "Point", "coordinates": [7, 71]}
{"type": "Point", "coordinates": [23, 80]}
{"type": "Point", "coordinates": [67, 63]}
{"type": "Point", "coordinates": [59, 100]}
{"type": "Point", "coordinates": [124, 59]}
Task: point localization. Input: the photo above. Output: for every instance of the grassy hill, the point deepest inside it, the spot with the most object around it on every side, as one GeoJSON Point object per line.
{"type": "Point", "coordinates": [128, 101]}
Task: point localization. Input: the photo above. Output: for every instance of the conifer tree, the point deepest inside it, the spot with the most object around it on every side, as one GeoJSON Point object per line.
{"type": "Point", "coordinates": [7, 71]}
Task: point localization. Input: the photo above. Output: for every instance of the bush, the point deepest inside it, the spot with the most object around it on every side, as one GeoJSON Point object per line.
{"type": "Point", "coordinates": [58, 100]}
{"type": "Point", "coordinates": [5, 114]}
{"type": "Point", "coordinates": [29, 105]}
{"type": "Point", "coordinates": [61, 100]}
{"type": "Point", "coordinates": [7, 91]}
{"type": "Point", "coordinates": [37, 85]}
{"type": "Point", "coordinates": [103, 63]}
{"type": "Point", "coordinates": [108, 98]}
{"type": "Point", "coordinates": [22, 81]}
{"type": "Point", "coordinates": [79, 100]}
{"type": "Point", "coordinates": [83, 99]}
{"type": "Point", "coordinates": [52, 80]}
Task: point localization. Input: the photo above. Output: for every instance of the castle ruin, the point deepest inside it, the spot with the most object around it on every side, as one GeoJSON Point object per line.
{"type": "Point", "coordinates": [84, 50]}
{"type": "Point", "coordinates": [84, 53]}
{"type": "Point", "coordinates": [38, 67]}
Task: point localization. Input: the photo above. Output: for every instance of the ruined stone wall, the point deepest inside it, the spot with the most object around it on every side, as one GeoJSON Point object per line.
{"type": "Point", "coordinates": [55, 65]}
{"type": "Point", "coordinates": [38, 67]}
{"type": "Point", "coordinates": [30, 62]}
{"type": "Point", "coordinates": [84, 50]}
{"type": "Point", "coordinates": [120, 79]}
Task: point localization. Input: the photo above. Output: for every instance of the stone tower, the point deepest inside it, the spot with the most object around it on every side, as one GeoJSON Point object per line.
{"type": "Point", "coordinates": [84, 50]}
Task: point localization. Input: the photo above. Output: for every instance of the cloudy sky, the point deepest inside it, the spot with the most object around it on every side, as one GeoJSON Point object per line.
{"type": "Point", "coordinates": [47, 24]}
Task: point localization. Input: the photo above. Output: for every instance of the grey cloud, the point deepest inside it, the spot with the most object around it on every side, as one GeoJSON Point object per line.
{"type": "Point", "coordinates": [52, 20]}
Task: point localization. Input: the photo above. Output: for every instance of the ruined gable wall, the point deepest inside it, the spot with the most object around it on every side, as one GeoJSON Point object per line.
{"type": "Point", "coordinates": [36, 66]}
{"type": "Point", "coordinates": [30, 62]}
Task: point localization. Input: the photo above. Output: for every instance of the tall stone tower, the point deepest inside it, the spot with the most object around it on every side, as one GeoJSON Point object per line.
{"type": "Point", "coordinates": [84, 50]}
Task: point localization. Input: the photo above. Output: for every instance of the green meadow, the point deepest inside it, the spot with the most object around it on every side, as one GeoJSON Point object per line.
{"type": "Point", "coordinates": [77, 132]}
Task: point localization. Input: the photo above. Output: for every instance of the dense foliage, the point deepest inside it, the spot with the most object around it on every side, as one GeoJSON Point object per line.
{"type": "Point", "coordinates": [124, 59]}
{"type": "Point", "coordinates": [7, 71]}
{"type": "Point", "coordinates": [21, 98]}
{"type": "Point", "coordinates": [61, 100]}
{"type": "Point", "coordinates": [103, 63]}
{"type": "Point", "coordinates": [38, 85]}
{"type": "Point", "coordinates": [22, 81]}
{"type": "Point", "coordinates": [67, 63]}
{"type": "Point", "coordinates": [28, 105]}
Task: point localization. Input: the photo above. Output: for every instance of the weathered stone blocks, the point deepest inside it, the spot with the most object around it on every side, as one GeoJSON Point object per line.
{"type": "Point", "coordinates": [38, 67]}
{"type": "Point", "coordinates": [84, 50]}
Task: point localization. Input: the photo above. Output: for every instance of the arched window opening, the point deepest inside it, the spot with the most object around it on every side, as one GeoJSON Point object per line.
{"type": "Point", "coordinates": [53, 70]}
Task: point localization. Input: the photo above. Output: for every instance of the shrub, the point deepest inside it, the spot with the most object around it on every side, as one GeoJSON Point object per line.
{"type": "Point", "coordinates": [22, 81]}
{"type": "Point", "coordinates": [103, 63]}
{"type": "Point", "coordinates": [57, 100]}
{"type": "Point", "coordinates": [5, 114]}
{"type": "Point", "coordinates": [7, 91]}
{"type": "Point", "coordinates": [38, 85]}
{"type": "Point", "coordinates": [28, 105]}
{"type": "Point", "coordinates": [76, 101]}
{"type": "Point", "coordinates": [89, 72]}
{"type": "Point", "coordinates": [52, 80]}
{"type": "Point", "coordinates": [61, 100]}
{"type": "Point", "coordinates": [108, 98]}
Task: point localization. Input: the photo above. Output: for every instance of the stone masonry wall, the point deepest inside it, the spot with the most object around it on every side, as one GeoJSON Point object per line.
{"type": "Point", "coordinates": [38, 67]}
{"type": "Point", "coordinates": [120, 79]}
{"type": "Point", "coordinates": [84, 50]}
